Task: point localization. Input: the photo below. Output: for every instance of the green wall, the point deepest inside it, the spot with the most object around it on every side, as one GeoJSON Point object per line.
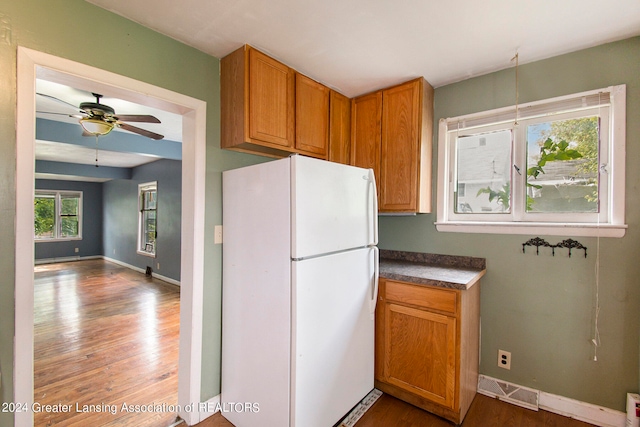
{"type": "Point", "coordinates": [541, 308]}
{"type": "Point", "coordinates": [79, 31]}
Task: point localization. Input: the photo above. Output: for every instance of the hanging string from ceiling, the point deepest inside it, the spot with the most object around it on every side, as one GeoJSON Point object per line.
{"type": "Point", "coordinates": [97, 149]}
{"type": "Point", "coordinates": [596, 331]}
{"type": "Point", "coordinates": [515, 58]}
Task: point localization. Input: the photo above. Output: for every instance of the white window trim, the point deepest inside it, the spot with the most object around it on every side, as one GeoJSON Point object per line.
{"type": "Point", "coordinates": [141, 188]}
{"type": "Point", "coordinates": [615, 225]}
{"type": "Point", "coordinates": [57, 195]}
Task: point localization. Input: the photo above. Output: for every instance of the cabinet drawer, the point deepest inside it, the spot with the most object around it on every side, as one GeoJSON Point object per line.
{"type": "Point", "coordinates": [427, 297]}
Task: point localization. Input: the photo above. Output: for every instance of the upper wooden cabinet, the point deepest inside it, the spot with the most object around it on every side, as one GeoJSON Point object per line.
{"type": "Point", "coordinates": [257, 103]}
{"type": "Point", "coordinates": [366, 121]}
{"type": "Point", "coordinates": [392, 133]}
{"type": "Point", "coordinates": [339, 128]}
{"type": "Point", "coordinates": [267, 108]}
{"type": "Point", "coordinates": [312, 117]}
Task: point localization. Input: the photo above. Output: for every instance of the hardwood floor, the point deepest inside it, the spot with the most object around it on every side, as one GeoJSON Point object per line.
{"type": "Point", "coordinates": [484, 412]}
{"type": "Point", "coordinates": [104, 336]}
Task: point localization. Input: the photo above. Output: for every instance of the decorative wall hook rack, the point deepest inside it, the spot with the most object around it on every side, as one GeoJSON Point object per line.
{"type": "Point", "coordinates": [537, 242]}
{"type": "Point", "coordinates": [572, 244]}
{"type": "Point", "coordinates": [568, 243]}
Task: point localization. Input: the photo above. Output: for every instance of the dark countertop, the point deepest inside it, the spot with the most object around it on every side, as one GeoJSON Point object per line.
{"type": "Point", "coordinates": [446, 271]}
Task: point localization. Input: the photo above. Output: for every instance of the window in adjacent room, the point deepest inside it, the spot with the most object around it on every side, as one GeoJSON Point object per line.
{"type": "Point", "coordinates": [558, 170]}
{"type": "Point", "coordinates": [147, 218]}
{"type": "Point", "coordinates": [57, 215]}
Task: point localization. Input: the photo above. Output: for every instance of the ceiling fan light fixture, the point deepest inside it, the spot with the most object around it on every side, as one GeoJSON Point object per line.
{"type": "Point", "coordinates": [96, 126]}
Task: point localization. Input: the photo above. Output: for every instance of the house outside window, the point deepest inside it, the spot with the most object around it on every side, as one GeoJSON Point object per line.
{"type": "Point", "coordinates": [147, 218]}
{"type": "Point", "coordinates": [57, 215]}
{"type": "Point", "coordinates": [549, 167]}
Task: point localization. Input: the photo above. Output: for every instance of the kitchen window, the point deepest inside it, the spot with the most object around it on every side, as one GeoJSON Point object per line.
{"type": "Point", "coordinates": [552, 167]}
{"type": "Point", "coordinates": [57, 215]}
{"type": "Point", "coordinates": [147, 218]}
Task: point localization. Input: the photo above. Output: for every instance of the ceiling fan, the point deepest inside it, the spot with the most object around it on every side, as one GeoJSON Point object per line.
{"type": "Point", "coordinates": [99, 119]}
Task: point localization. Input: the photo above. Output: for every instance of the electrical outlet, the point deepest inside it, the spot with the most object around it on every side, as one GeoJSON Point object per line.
{"type": "Point", "coordinates": [158, 266]}
{"type": "Point", "coordinates": [77, 250]}
{"type": "Point", "coordinates": [504, 359]}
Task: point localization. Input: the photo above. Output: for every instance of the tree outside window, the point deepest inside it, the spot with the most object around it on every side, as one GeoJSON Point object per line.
{"type": "Point", "coordinates": [57, 215]}
{"type": "Point", "coordinates": [558, 168]}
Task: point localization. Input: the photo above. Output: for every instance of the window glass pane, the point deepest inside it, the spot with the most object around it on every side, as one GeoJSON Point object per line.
{"type": "Point", "coordinates": [483, 173]}
{"type": "Point", "coordinates": [44, 209]}
{"type": "Point", "coordinates": [149, 198]}
{"type": "Point", "coordinates": [149, 231]}
{"type": "Point", "coordinates": [562, 166]}
{"type": "Point", "coordinates": [69, 226]}
{"type": "Point", "coordinates": [69, 205]}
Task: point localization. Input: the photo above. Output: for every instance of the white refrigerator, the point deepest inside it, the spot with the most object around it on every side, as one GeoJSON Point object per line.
{"type": "Point", "coordinates": [300, 275]}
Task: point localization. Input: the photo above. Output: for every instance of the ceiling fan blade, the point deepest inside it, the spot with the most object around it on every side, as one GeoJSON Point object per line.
{"type": "Point", "coordinates": [75, 116]}
{"type": "Point", "coordinates": [75, 107]}
{"type": "Point", "coordinates": [139, 131]}
{"type": "Point", "coordinates": [141, 118]}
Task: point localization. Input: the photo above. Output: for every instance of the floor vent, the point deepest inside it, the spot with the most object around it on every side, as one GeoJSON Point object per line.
{"type": "Point", "coordinates": [515, 394]}
{"type": "Point", "coordinates": [362, 407]}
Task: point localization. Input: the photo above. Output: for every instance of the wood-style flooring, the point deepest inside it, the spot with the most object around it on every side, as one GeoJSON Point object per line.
{"type": "Point", "coordinates": [484, 412]}
{"type": "Point", "coordinates": [104, 336]}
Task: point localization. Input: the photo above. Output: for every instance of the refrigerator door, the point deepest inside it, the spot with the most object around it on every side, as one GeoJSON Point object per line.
{"type": "Point", "coordinates": [332, 336]}
{"type": "Point", "coordinates": [334, 207]}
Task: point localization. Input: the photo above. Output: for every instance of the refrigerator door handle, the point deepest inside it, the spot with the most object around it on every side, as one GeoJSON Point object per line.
{"type": "Point", "coordinates": [376, 278]}
{"type": "Point", "coordinates": [374, 204]}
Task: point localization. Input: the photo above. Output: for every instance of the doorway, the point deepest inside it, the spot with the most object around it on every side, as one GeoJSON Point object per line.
{"type": "Point", "coordinates": [33, 64]}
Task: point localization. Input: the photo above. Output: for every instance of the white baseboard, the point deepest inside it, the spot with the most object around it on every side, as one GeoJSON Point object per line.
{"type": "Point", "coordinates": [571, 408]}
{"type": "Point", "coordinates": [64, 259]}
{"type": "Point", "coordinates": [582, 411]}
{"type": "Point", "coordinates": [209, 407]}
{"type": "Point", "coordinates": [115, 261]}
{"type": "Point", "coordinates": [141, 270]}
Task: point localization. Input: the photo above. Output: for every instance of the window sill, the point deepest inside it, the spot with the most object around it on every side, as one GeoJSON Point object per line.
{"type": "Point", "coordinates": [149, 254]}
{"type": "Point", "coordinates": [65, 239]}
{"type": "Point", "coordinates": [550, 229]}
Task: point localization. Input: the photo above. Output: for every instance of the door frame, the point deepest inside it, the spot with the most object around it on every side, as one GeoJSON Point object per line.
{"type": "Point", "coordinates": [32, 64]}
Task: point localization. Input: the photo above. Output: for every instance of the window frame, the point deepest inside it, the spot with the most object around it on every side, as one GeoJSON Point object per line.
{"type": "Point", "coordinates": [142, 188]}
{"type": "Point", "coordinates": [57, 226]}
{"type": "Point", "coordinates": [610, 223]}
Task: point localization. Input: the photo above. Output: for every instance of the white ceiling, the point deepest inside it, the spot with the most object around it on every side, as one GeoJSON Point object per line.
{"type": "Point", "coordinates": [356, 46]}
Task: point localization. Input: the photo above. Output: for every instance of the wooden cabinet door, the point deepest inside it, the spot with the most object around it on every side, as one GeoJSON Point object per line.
{"type": "Point", "coordinates": [420, 353]}
{"type": "Point", "coordinates": [400, 147]}
{"type": "Point", "coordinates": [312, 117]}
{"type": "Point", "coordinates": [366, 113]}
{"type": "Point", "coordinates": [339, 128]}
{"type": "Point", "coordinates": [271, 100]}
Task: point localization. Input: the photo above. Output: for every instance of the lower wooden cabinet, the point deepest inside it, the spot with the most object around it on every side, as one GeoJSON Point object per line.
{"type": "Point", "coordinates": [427, 343]}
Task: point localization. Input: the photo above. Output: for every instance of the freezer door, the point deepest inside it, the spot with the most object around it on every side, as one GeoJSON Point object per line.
{"type": "Point", "coordinates": [334, 207]}
{"type": "Point", "coordinates": [332, 336]}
